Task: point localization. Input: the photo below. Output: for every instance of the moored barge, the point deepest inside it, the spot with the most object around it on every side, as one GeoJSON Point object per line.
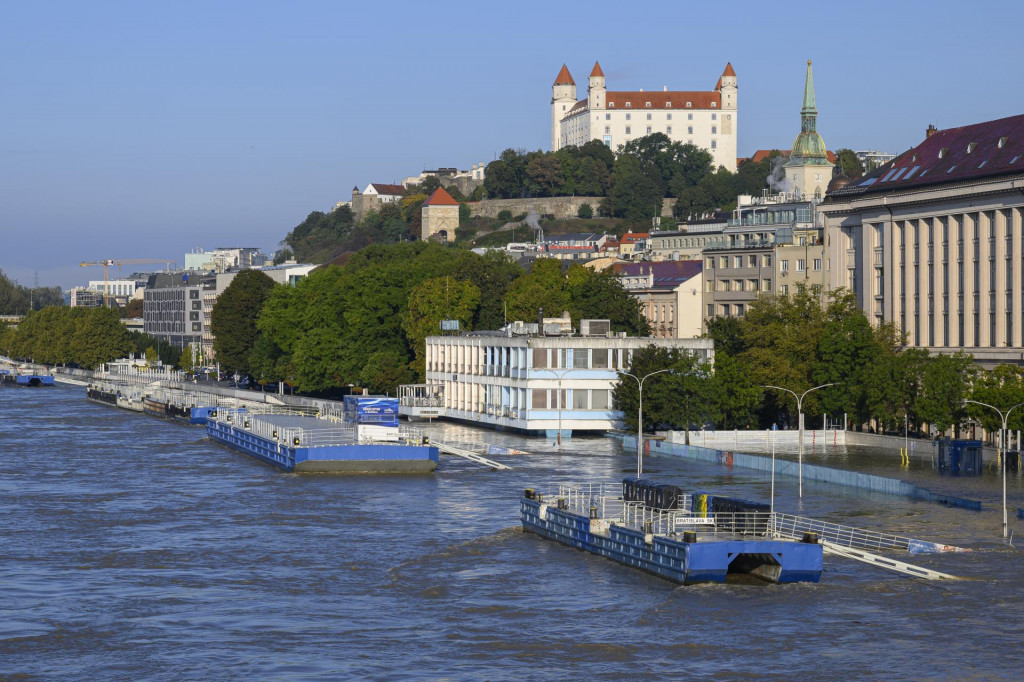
{"type": "Point", "coordinates": [24, 378]}
{"type": "Point", "coordinates": [655, 529]}
{"type": "Point", "coordinates": [306, 443]}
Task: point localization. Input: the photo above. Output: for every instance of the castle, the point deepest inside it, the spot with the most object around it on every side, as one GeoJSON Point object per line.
{"type": "Point", "coordinates": [706, 119]}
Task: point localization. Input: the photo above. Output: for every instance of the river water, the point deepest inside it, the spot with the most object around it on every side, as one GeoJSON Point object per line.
{"type": "Point", "coordinates": [136, 549]}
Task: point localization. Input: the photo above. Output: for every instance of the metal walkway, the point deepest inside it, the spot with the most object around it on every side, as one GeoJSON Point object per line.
{"type": "Point", "coordinates": [461, 451]}
{"type": "Point", "coordinates": [885, 562]}
{"type": "Point", "coordinates": [857, 538]}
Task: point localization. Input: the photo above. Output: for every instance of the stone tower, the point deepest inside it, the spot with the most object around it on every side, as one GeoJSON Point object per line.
{"type": "Point", "coordinates": [596, 89]}
{"type": "Point", "coordinates": [439, 216]}
{"type": "Point", "coordinates": [563, 98]}
{"type": "Point", "coordinates": [808, 170]}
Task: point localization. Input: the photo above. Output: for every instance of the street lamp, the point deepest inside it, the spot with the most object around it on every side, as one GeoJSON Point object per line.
{"type": "Point", "coordinates": [999, 444]}
{"type": "Point", "coordinates": [640, 419]}
{"type": "Point", "coordinates": [560, 374]}
{"type": "Point", "coordinates": [800, 419]}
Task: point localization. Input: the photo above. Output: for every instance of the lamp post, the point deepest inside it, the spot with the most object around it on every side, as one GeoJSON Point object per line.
{"type": "Point", "coordinates": [640, 419]}
{"type": "Point", "coordinates": [999, 444]}
{"type": "Point", "coordinates": [800, 419]}
{"type": "Point", "coordinates": [560, 374]}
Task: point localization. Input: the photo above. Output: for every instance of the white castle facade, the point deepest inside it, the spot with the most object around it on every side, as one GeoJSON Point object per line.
{"type": "Point", "coordinates": [706, 119]}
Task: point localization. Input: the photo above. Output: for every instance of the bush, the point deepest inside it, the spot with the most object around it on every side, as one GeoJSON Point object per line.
{"type": "Point", "coordinates": [585, 211]}
{"type": "Point", "coordinates": [505, 215]}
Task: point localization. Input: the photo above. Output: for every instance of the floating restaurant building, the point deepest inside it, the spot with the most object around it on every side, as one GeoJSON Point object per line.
{"type": "Point", "coordinates": [533, 378]}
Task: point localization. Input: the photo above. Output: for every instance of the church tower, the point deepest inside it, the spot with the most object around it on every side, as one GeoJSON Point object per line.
{"type": "Point", "coordinates": [596, 90]}
{"type": "Point", "coordinates": [563, 98]}
{"type": "Point", "coordinates": [808, 170]}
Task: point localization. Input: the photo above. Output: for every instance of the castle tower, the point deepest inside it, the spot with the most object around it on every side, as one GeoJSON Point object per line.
{"type": "Point", "coordinates": [808, 170]}
{"type": "Point", "coordinates": [727, 86]}
{"type": "Point", "coordinates": [563, 98]}
{"type": "Point", "coordinates": [596, 89]}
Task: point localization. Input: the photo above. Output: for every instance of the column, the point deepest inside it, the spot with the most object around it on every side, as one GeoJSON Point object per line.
{"type": "Point", "coordinates": [999, 230]}
{"type": "Point", "coordinates": [1017, 259]}
{"type": "Point", "coordinates": [984, 231]}
{"type": "Point", "coordinates": [970, 253]}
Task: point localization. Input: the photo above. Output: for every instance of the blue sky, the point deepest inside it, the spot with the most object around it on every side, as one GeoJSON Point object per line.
{"type": "Point", "coordinates": [142, 130]}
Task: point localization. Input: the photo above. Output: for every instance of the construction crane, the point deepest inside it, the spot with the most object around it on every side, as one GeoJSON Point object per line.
{"type": "Point", "coordinates": [124, 261]}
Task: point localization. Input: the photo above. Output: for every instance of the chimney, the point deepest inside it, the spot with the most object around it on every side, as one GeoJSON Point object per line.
{"type": "Point", "coordinates": [931, 131]}
{"type": "Point", "coordinates": [540, 320]}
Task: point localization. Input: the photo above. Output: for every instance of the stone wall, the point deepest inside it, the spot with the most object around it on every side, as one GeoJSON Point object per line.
{"type": "Point", "coordinates": [559, 207]}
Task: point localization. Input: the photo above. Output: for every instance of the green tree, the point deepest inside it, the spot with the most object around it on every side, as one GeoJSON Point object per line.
{"type": "Point", "coordinates": [1003, 388]}
{"type": "Point", "coordinates": [151, 356]}
{"type": "Point", "coordinates": [99, 337]}
{"type": "Point", "coordinates": [737, 396]}
{"type": "Point", "coordinates": [433, 300]}
{"type": "Point", "coordinates": [635, 195]}
{"type": "Point", "coordinates": [543, 287]}
{"type": "Point", "coordinates": [681, 398]}
{"type": "Point", "coordinates": [848, 164]}
{"type": "Point", "coordinates": [601, 296]}
{"type": "Point", "coordinates": [945, 385]}
{"type": "Point", "coordinates": [233, 320]}
{"type": "Point", "coordinates": [585, 212]}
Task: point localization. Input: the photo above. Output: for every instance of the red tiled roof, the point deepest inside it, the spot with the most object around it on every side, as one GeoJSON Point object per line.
{"type": "Point", "coordinates": [762, 154]}
{"type": "Point", "coordinates": [395, 190]}
{"type": "Point", "coordinates": [663, 100]}
{"type": "Point", "coordinates": [718, 85]}
{"type": "Point", "coordinates": [440, 198]}
{"type": "Point", "coordinates": [597, 71]}
{"type": "Point", "coordinates": [633, 237]}
{"type": "Point", "coordinates": [729, 70]}
{"type": "Point", "coordinates": [576, 108]}
{"type": "Point", "coordinates": [564, 77]}
{"type": "Point", "coordinates": [972, 152]}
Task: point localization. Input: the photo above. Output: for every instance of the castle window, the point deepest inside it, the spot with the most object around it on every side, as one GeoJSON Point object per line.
{"type": "Point", "coordinates": [713, 105]}
{"type": "Point", "coordinates": [669, 131]}
{"type": "Point", "coordinates": [689, 117]}
{"type": "Point", "coordinates": [669, 116]}
{"type": "Point", "coordinates": [607, 130]}
{"type": "Point", "coordinates": [728, 117]}
{"type": "Point", "coordinates": [648, 105]}
{"type": "Point", "coordinates": [689, 130]}
{"type": "Point", "coordinates": [629, 105]}
{"type": "Point", "coordinates": [714, 117]}
{"type": "Point", "coordinates": [607, 117]}
{"type": "Point", "coordinates": [648, 117]}
{"type": "Point", "coordinates": [648, 130]}
{"type": "Point", "coordinates": [689, 104]}
{"type": "Point", "coordinates": [627, 130]}
{"type": "Point", "coordinates": [628, 116]}
{"type": "Point", "coordinates": [668, 105]}
{"type": "Point", "coordinates": [714, 130]}
{"type": "Point", "coordinates": [611, 105]}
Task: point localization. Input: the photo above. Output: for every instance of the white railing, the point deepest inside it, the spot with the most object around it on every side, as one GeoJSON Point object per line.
{"type": "Point", "coordinates": [786, 525]}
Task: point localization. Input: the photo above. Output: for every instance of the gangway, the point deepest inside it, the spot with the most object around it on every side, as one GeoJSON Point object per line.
{"type": "Point", "coordinates": [789, 525]}
{"type": "Point", "coordinates": [885, 562]}
{"type": "Point", "coordinates": [461, 451]}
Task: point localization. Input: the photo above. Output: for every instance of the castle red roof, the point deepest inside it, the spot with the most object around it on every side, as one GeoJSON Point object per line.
{"type": "Point", "coordinates": [597, 71]}
{"type": "Point", "coordinates": [659, 99]}
{"type": "Point", "coordinates": [440, 198]}
{"type": "Point", "coordinates": [729, 70]}
{"type": "Point", "coordinates": [564, 77]}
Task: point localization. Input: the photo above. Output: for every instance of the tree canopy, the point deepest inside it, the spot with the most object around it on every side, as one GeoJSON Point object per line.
{"type": "Point", "coordinates": [233, 320]}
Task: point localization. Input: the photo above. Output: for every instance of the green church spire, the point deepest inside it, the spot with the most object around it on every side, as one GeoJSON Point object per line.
{"type": "Point", "coordinates": [809, 148]}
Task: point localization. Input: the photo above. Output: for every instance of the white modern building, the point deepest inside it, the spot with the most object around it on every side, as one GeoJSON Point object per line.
{"type": "Point", "coordinates": [224, 259]}
{"type": "Point", "coordinates": [706, 119]}
{"type": "Point", "coordinates": [524, 380]}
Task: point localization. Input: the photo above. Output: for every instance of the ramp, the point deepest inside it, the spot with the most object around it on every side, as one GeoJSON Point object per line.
{"type": "Point", "coordinates": [465, 453]}
{"type": "Point", "coordinates": [885, 562]}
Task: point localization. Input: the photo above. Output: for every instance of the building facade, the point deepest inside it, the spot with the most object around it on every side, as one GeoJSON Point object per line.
{"type": "Point", "coordinates": [670, 294]}
{"type": "Point", "coordinates": [706, 119]}
{"type": "Point", "coordinates": [172, 308]}
{"type": "Point", "coordinates": [520, 379]}
{"type": "Point", "coordinates": [933, 242]}
{"type": "Point", "coordinates": [439, 216]}
{"type": "Point", "coordinates": [225, 258]}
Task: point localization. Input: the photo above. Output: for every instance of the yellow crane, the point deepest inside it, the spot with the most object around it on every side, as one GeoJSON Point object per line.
{"type": "Point", "coordinates": [124, 261]}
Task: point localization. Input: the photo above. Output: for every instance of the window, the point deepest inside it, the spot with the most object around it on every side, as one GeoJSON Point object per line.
{"type": "Point", "coordinates": [599, 399]}
{"type": "Point", "coordinates": [648, 115]}
{"type": "Point", "coordinates": [739, 310]}
{"type": "Point", "coordinates": [197, 326]}
{"type": "Point", "coordinates": [800, 264]}
{"type": "Point", "coordinates": [752, 261]}
{"type": "Point", "coordinates": [669, 116]}
{"type": "Point", "coordinates": [540, 358]}
{"type": "Point", "coordinates": [689, 117]}
{"type": "Point", "coordinates": [817, 265]}
{"type": "Point", "coordinates": [766, 285]}
{"type": "Point", "coordinates": [766, 261]}
{"type": "Point", "coordinates": [599, 356]}
{"type": "Point", "coordinates": [194, 293]}
{"type": "Point", "coordinates": [724, 261]}
{"type": "Point", "coordinates": [648, 130]}
{"type": "Point", "coordinates": [540, 398]}
{"type": "Point", "coordinates": [670, 130]}
{"type": "Point", "coordinates": [785, 290]}
{"type": "Point", "coordinates": [712, 105]}
{"type": "Point", "coordinates": [737, 262]}
{"type": "Point", "coordinates": [629, 105]}
{"type": "Point", "coordinates": [714, 117]}
{"type": "Point", "coordinates": [628, 116]}
{"type": "Point", "coordinates": [714, 144]}
{"type": "Point", "coordinates": [607, 130]}
{"type": "Point", "coordinates": [714, 130]}
{"type": "Point", "coordinates": [579, 399]}
{"type": "Point", "coordinates": [689, 104]}
{"type": "Point", "coordinates": [711, 263]}
{"type": "Point", "coordinates": [580, 359]}
{"type": "Point", "coordinates": [711, 309]}
{"type": "Point", "coordinates": [751, 285]}
{"type": "Point", "coordinates": [689, 130]}
{"type": "Point", "coordinates": [784, 265]}
{"type": "Point", "coordinates": [607, 117]}
{"type": "Point", "coordinates": [710, 285]}
{"type": "Point", "coordinates": [627, 130]}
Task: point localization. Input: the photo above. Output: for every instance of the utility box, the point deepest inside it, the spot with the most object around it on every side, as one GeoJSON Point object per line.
{"type": "Point", "coordinates": [962, 457]}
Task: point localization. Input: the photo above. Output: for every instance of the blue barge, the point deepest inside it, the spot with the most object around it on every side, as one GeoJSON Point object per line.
{"type": "Point", "coordinates": [26, 379]}
{"type": "Point", "coordinates": [673, 543]}
{"type": "Point", "coordinates": [308, 444]}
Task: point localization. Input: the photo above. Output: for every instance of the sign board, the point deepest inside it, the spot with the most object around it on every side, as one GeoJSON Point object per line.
{"type": "Point", "coordinates": [449, 325]}
{"type": "Point", "coordinates": [695, 520]}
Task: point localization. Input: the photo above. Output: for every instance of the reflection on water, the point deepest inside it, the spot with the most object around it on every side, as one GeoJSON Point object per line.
{"type": "Point", "coordinates": [137, 549]}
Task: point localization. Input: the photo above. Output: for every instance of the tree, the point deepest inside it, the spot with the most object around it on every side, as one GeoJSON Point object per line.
{"type": "Point", "coordinates": [945, 385]}
{"type": "Point", "coordinates": [543, 287]}
{"type": "Point", "coordinates": [233, 320]}
{"type": "Point", "coordinates": [601, 296]}
{"type": "Point", "coordinates": [635, 195]}
{"type": "Point", "coordinates": [585, 212]}
{"type": "Point", "coordinates": [433, 300]}
{"type": "Point", "coordinates": [737, 395]}
{"type": "Point", "coordinates": [680, 399]}
{"type": "Point", "coordinates": [1002, 387]}
{"type": "Point", "coordinates": [848, 164]}
{"type": "Point", "coordinates": [150, 356]}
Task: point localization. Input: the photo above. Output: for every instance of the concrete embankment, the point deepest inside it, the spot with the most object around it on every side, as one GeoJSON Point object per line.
{"type": "Point", "coordinates": [811, 472]}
